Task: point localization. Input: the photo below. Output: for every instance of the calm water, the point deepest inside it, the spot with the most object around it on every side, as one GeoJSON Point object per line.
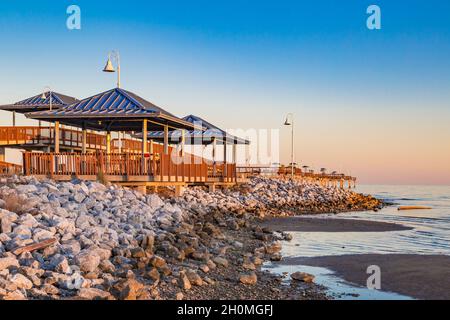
{"type": "Point", "coordinates": [431, 235]}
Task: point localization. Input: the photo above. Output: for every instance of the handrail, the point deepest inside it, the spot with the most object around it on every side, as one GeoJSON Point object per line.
{"type": "Point", "coordinates": [10, 168]}
{"type": "Point", "coordinates": [46, 136]}
{"type": "Point", "coordinates": [163, 167]}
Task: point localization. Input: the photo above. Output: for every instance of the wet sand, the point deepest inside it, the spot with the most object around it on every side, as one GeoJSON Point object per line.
{"type": "Point", "coordinates": [417, 276]}
{"type": "Point", "coordinates": [306, 224]}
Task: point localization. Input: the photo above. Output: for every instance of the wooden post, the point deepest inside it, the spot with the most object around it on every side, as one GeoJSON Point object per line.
{"type": "Point", "coordinates": [144, 143]}
{"type": "Point", "coordinates": [224, 172]}
{"type": "Point", "coordinates": [179, 190]}
{"type": "Point", "coordinates": [120, 142]}
{"type": "Point", "coordinates": [83, 142]}
{"type": "Point", "coordinates": [166, 139]}
{"type": "Point", "coordinates": [144, 137]}
{"type": "Point", "coordinates": [56, 137]}
{"type": "Point", "coordinates": [108, 142]}
{"type": "Point", "coordinates": [183, 137]}
{"type": "Point", "coordinates": [214, 143]}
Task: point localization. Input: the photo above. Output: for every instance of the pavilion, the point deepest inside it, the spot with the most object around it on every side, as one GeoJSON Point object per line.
{"type": "Point", "coordinates": [44, 101]}
{"type": "Point", "coordinates": [116, 110]}
{"type": "Point", "coordinates": [119, 110]}
{"type": "Point", "coordinates": [211, 135]}
{"type": "Point", "coordinates": [36, 137]}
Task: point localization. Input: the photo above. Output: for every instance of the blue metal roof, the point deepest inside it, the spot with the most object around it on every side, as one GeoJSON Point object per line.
{"type": "Point", "coordinates": [112, 105]}
{"type": "Point", "coordinates": [36, 103]}
{"type": "Point", "coordinates": [198, 136]}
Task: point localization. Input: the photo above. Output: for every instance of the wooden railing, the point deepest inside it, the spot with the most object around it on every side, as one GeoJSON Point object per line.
{"type": "Point", "coordinates": [46, 136]}
{"type": "Point", "coordinates": [7, 168]}
{"type": "Point", "coordinates": [156, 166]}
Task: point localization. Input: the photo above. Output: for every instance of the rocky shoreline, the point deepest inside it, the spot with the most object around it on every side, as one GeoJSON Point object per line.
{"type": "Point", "coordinates": [85, 240]}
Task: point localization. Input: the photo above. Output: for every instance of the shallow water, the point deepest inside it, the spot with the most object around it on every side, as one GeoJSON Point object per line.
{"type": "Point", "coordinates": [431, 235]}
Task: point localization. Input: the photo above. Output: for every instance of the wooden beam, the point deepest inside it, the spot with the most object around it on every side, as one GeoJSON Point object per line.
{"type": "Point", "coordinates": [34, 246]}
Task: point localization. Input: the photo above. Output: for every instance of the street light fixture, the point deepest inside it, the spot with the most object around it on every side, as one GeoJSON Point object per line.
{"type": "Point", "coordinates": [110, 69]}
{"type": "Point", "coordinates": [290, 122]}
{"type": "Point", "coordinates": [109, 66]}
{"type": "Point", "coordinates": [43, 97]}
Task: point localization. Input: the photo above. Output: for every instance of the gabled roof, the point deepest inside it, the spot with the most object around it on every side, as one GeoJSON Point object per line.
{"type": "Point", "coordinates": [113, 110]}
{"type": "Point", "coordinates": [197, 136]}
{"type": "Point", "coordinates": [36, 103]}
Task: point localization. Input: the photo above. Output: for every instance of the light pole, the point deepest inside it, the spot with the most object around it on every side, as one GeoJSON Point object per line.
{"type": "Point", "coordinates": [43, 97]}
{"type": "Point", "coordinates": [49, 95]}
{"type": "Point", "coordinates": [110, 68]}
{"type": "Point", "coordinates": [290, 122]}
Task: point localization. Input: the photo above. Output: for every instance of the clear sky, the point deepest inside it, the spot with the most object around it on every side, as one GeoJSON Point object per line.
{"type": "Point", "coordinates": [373, 103]}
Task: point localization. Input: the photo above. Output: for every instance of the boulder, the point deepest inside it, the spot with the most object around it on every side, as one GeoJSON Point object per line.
{"type": "Point", "coordinates": [8, 262]}
{"type": "Point", "coordinates": [303, 277]}
{"type": "Point", "coordinates": [221, 261]}
{"type": "Point", "coordinates": [249, 279]}
{"type": "Point", "coordinates": [128, 289]}
{"type": "Point", "coordinates": [21, 281]}
{"type": "Point", "coordinates": [93, 294]}
{"type": "Point", "coordinates": [194, 278]}
{"type": "Point", "coordinates": [184, 281]}
{"type": "Point", "coordinates": [88, 260]}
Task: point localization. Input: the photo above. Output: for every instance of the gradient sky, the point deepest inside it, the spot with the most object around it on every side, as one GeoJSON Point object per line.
{"type": "Point", "coordinates": [375, 104]}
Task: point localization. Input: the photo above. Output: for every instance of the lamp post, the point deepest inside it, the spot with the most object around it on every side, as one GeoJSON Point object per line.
{"type": "Point", "coordinates": [49, 95]}
{"type": "Point", "coordinates": [110, 68]}
{"type": "Point", "coordinates": [43, 97]}
{"type": "Point", "coordinates": [290, 122]}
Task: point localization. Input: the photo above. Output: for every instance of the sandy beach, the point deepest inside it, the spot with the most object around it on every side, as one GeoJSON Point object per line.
{"type": "Point", "coordinates": [417, 276]}
{"type": "Point", "coordinates": [413, 275]}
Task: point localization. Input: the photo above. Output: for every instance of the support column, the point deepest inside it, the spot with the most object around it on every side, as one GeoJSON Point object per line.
{"type": "Point", "coordinates": [14, 118]}
{"type": "Point", "coordinates": [183, 138]}
{"type": "Point", "coordinates": [214, 145]}
{"type": "Point", "coordinates": [235, 153]}
{"type": "Point", "coordinates": [144, 144]}
{"type": "Point", "coordinates": [179, 190]}
{"type": "Point", "coordinates": [166, 139]}
{"type": "Point", "coordinates": [108, 142]}
{"type": "Point", "coordinates": [225, 173]}
{"type": "Point", "coordinates": [120, 142]}
{"type": "Point", "coordinates": [84, 140]}
{"type": "Point", "coordinates": [56, 147]}
{"type": "Point", "coordinates": [144, 137]}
